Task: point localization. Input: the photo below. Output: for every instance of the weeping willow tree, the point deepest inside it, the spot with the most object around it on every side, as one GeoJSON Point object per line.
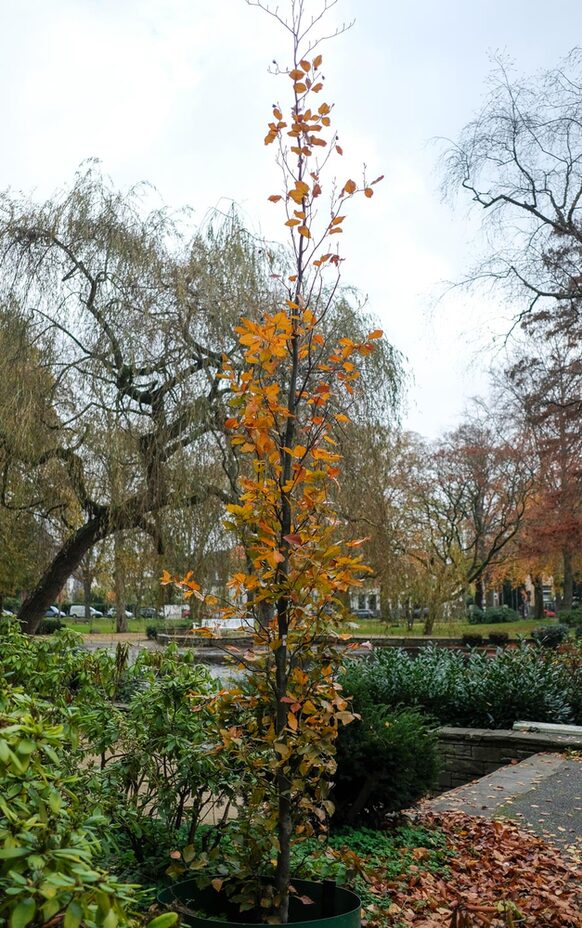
{"type": "Point", "coordinates": [130, 314]}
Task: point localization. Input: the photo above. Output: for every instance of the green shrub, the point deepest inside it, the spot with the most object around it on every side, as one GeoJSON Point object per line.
{"type": "Point", "coordinates": [475, 615]}
{"type": "Point", "coordinates": [156, 777]}
{"type": "Point", "coordinates": [49, 626]}
{"type": "Point", "coordinates": [472, 689]}
{"type": "Point", "coordinates": [494, 615]}
{"type": "Point", "coordinates": [386, 761]}
{"type": "Point", "coordinates": [499, 639]}
{"type": "Point", "coordinates": [550, 636]}
{"type": "Point", "coordinates": [48, 839]}
{"type": "Point", "coordinates": [571, 617]}
{"type": "Point", "coordinates": [568, 660]}
{"type": "Point", "coordinates": [473, 641]}
{"type": "Point", "coordinates": [141, 751]}
{"type": "Point", "coordinates": [152, 632]}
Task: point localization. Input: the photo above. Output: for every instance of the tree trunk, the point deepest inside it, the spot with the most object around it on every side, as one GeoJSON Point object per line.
{"type": "Point", "coordinates": [87, 597]}
{"type": "Point", "coordinates": [430, 619]}
{"type": "Point", "coordinates": [55, 576]}
{"type": "Point", "coordinates": [120, 602]}
{"type": "Point", "coordinates": [479, 592]}
{"type": "Point", "coordinates": [538, 598]}
{"type": "Point", "coordinates": [568, 579]}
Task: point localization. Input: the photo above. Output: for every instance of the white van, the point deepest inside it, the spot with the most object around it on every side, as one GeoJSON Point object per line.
{"type": "Point", "coordinates": [78, 612]}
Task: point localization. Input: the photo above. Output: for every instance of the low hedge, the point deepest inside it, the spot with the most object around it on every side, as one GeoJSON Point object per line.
{"type": "Point", "coordinates": [496, 615]}
{"type": "Point", "coordinates": [470, 688]}
{"type": "Point", "coordinates": [550, 636]}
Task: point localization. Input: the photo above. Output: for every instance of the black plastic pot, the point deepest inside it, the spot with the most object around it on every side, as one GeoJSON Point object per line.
{"type": "Point", "coordinates": [332, 906]}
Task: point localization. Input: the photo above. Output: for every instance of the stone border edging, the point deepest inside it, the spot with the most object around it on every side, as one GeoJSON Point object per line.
{"type": "Point", "coordinates": [470, 753]}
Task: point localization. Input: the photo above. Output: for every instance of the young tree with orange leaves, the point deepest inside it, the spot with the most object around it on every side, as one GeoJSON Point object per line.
{"type": "Point", "coordinates": [295, 387]}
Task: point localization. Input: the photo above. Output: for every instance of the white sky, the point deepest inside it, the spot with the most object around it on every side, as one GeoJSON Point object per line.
{"type": "Point", "coordinates": [176, 92]}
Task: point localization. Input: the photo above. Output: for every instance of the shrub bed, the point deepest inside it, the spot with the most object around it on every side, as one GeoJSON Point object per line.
{"type": "Point", "coordinates": [472, 689]}
{"type": "Point", "coordinates": [492, 616]}
{"type": "Point", "coordinates": [550, 636]}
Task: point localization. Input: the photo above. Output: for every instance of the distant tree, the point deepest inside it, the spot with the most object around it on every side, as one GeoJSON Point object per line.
{"type": "Point", "coordinates": [476, 489]}
{"type": "Point", "coordinates": [542, 392]}
{"type": "Point", "coordinates": [132, 315]}
{"type": "Point", "coordinates": [521, 161]}
{"type": "Point", "coordinates": [378, 499]}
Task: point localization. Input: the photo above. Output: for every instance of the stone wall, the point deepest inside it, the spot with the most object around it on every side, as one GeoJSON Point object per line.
{"type": "Point", "coordinates": [468, 753]}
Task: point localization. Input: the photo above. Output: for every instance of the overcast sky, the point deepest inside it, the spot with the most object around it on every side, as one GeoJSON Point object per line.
{"type": "Point", "coordinates": [176, 92]}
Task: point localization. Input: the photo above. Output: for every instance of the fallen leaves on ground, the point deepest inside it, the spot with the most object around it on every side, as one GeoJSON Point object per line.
{"type": "Point", "coordinates": [498, 876]}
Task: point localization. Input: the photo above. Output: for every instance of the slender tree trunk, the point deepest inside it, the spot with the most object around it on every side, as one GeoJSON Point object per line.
{"type": "Point", "coordinates": [120, 601]}
{"type": "Point", "coordinates": [479, 592]}
{"type": "Point", "coordinates": [55, 576]}
{"type": "Point", "coordinates": [87, 597]}
{"type": "Point", "coordinates": [568, 579]}
{"type": "Point", "coordinates": [538, 598]}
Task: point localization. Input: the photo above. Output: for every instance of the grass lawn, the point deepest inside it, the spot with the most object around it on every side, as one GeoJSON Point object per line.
{"type": "Point", "coordinates": [451, 628]}
{"type": "Point", "coordinates": [447, 629]}
{"type": "Point", "coordinates": [103, 625]}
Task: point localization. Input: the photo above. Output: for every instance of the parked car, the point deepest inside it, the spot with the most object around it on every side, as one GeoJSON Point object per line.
{"type": "Point", "coordinates": [53, 612]}
{"type": "Point", "coordinates": [148, 612]}
{"type": "Point", "coordinates": [549, 613]}
{"type": "Point", "coordinates": [364, 614]}
{"type": "Point", "coordinates": [8, 614]}
{"type": "Point", "coordinates": [113, 612]}
{"type": "Point", "coordinates": [77, 611]}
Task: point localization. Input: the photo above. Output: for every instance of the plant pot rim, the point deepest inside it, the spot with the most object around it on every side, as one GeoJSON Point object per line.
{"type": "Point", "coordinates": [347, 915]}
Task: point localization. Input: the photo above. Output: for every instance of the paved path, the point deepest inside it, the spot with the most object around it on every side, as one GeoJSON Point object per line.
{"type": "Point", "coordinates": [542, 794]}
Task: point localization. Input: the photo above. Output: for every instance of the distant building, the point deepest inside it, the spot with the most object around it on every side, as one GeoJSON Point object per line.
{"type": "Point", "coordinates": [366, 599]}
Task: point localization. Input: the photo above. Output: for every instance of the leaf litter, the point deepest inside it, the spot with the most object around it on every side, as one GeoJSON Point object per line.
{"type": "Point", "coordinates": [498, 875]}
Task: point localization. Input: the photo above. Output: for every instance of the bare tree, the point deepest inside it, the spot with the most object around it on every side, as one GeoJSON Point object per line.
{"type": "Point", "coordinates": [521, 161]}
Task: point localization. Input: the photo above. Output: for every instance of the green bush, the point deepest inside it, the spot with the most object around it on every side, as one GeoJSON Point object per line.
{"type": "Point", "coordinates": [386, 761]}
{"type": "Point", "coordinates": [474, 689]}
{"type": "Point", "coordinates": [499, 639]}
{"type": "Point", "coordinates": [157, 777]}
{"type": "Point", "coordinates": [473, 641]}
{"type": "Point", "coordinates": [494, 615]}
{"type": "Point", "coordinates": [152, 632]}
{"type": "Point", "coordinates": [48, 839]}
{"type": "Point", "coordinates": [571, 617]}
{"type": "Point", "coordinates": [49, 626]}
{"type": "Point", "coordinates": [550, 636]}
{"type": "Point", "coordinates": [132, 743]}
{"type": "Point", "coordinates": [475, 615]}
